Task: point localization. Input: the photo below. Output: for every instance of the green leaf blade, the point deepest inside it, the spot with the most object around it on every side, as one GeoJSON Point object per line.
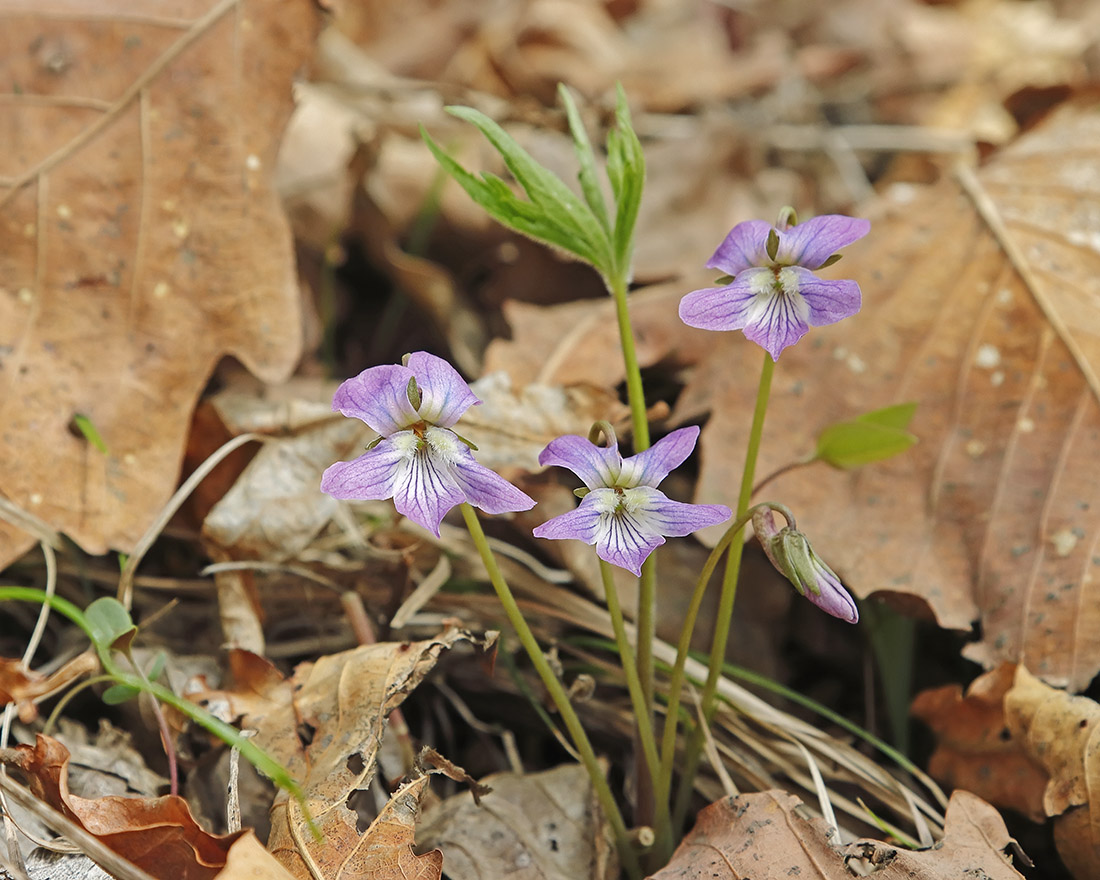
{"type": "Point", "coordinates": [109, 622]}
{"type": "Point", "coordinates": [586, 158]}
{"type": "Point", "coordinates": [871, 437]}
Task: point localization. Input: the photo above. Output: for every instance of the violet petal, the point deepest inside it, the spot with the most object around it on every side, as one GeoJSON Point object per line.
{"type": "Point", "coordinates": [444, 394]}
{"type": "Point", "coordinates": [743, 248]}
{"type": "Point", "coordinates": [811, 243]}
{"type": "Point", "coordinates": [370, 477]}
{"type": "Point", "coordinates": [378, 396]}
{"type": "Point", "coordinates": [486, 489]}
{"type": "Point", "coordinates": [660, 514]}
{"type": "Point", "coordinates": [595, 465]}
{"type": "Point", "coordinates": [652, 465]}
{"type": "Point", "coordinates": [425, 490]}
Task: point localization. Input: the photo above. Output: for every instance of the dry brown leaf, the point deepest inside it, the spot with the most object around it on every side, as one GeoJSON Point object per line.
{"type": "Point", "coordinates": [975, 750]}
{"type": "Point", "coordinates": [158, 834]}
{"type": "Point", "coordinates": [325, 726]}
{"type": "Point", "coordinates": [24, 686]}
{"type": "Point", "coordinates": [540, 826]}
{"type": "Point", "coordinates": [763, 836]}
{"type": "Point", "coordinates": [385, 852]}
{"type": "Point", "coordinates": [248, 860]}
{"type": "Point", "coordinates": [1060, 732]}
{"type": "Point", "coordinates": [142, 241]}
{"type": "Point", "coordinates": [995, 515]}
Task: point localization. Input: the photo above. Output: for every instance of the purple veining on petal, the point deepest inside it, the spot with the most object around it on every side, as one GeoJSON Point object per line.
{"type": "Point", "coordinates": [722, 308]}
{"type": "Point", "coordinates": [675, 518]}
{"type": "Point", "coordinates": [424, 491]}
{"type": "Point", "coordinates": [743, 248]}
{"type": "Point", "coordinates": [829, 301]}
{"type": "Point", "coordinates": [812, 242]}
{"type": "Point", "coordinates": [369, 477]}
{"type": "Point", "coordinates": [581, 524]}
{"type": "Point", "coordinates": [486, 489]}
{"type": "Point", "coordinates": [595, 465]}
{"type": "Point", "coordinates": [444, 394]}
{"type": "Point", "coordinates": [625, 542]}
{"type": "Point", "coordinates": [649, 467]}
{"type": "Point", "coordinates": [379, 397]}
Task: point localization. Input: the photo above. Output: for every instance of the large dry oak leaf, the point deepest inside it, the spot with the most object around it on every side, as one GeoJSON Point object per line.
{"type": "Point", "coordinates": [140, 241]}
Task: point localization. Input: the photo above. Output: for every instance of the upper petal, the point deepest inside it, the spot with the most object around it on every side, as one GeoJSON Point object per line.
{"type": "Point", "coordinates": [369, 477]}
{"type": "Point", "coordinates": [828, 301]}
{"type": "Point", "coordinates": [425, 490]}
{"type": "Point", "coordinates": [811, 243]}
{"type": "Point", "coordinates": [380, 397]}
{"type": "Point", "coordinates": [724, 308]}
{"type": "Point", "coordinates": [487, 489]}
{"type": "Point", "coordinates": [652, 465]}
{"type": "Point", "coordinates": [656, 513]}
{"type": "Point", "coordinates": [444, 394]}
{"type": "Point", "coordinates": [744, 248]}
{"type": "Point", "coordinates": [596, 465]}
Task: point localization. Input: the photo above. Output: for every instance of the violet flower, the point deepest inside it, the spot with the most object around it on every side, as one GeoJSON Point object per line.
{"type": "Point", "coordinates": [774, 295]}
{"type": "Point", "coordinates": [418, 461]}
{"type": "Point", "coordinates": [623, 513]}
{"type": "Point", "coordinates": [790, 552]}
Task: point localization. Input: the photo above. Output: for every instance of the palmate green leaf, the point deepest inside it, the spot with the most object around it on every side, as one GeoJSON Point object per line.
{"type": "Point", "coordinates": [554, 213]}
{"type": "Point", "coordinates": [873, 436]}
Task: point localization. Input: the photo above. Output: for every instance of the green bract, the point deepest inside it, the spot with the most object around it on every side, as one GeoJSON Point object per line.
{"type": "Point", "coordinates": [552, 212]}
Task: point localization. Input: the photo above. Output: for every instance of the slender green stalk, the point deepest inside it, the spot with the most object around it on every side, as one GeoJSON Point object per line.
{"type": "Point", "coordinates": [557, 694]}
{"type": "Point", "coordinates": [724, 616]}
{"type": "Point", "coordinates": [646, 617]}
{"type": "Point", "coordinates": [225, 732]}
{"type": "Point", "coordinates": [676, 676]}
{"type": "Point", "coordinates": [641, 712]}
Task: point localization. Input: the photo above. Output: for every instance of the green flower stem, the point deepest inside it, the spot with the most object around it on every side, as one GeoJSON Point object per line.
{"type": "Point", "coordinates": [557, 694]}
{"type": "Point", "coordinates": [225, 732]}
{"type": "Point", "coordinates": [637, 698]}
{"type": "Point", "coordinates": [676, 676]}
{"type": "Point", "coordinates": [724, 617]}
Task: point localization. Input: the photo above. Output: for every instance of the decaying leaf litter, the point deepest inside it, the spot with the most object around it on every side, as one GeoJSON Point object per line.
{"type": "Point", "coordinates": [143, 241]}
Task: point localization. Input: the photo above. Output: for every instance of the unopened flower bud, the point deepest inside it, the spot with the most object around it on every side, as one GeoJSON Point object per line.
{"type": "Point", "coordinates": [790, 552]}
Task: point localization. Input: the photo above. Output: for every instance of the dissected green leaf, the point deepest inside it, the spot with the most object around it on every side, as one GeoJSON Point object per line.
{"type": "Point", "coordinates": [586, 158]}
{"type": "Point", "coordinates": [626, 171]}
{"type": "Point", "coordinates": [873, 436]}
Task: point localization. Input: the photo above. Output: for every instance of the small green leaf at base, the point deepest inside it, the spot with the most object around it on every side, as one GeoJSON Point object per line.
{"type": "Point", "coordinates": [874, 436]}
{"type": "Point", "coordinates": [119, 693]}
{"type": "Point", "coordinates": [110, 622]}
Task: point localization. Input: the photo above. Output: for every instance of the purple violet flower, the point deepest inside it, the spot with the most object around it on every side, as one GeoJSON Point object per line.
{"type": "Point", "coordinates": [418, 461]}
{"type": "Point", "coordinates": [623, 513]}
{"type": "Point", "coordinates": [790, 552]}
{"type": "Point", "coordinates": [774, 295]}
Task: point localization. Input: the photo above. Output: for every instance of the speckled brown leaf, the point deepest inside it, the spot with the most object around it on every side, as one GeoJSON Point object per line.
{"type": "Point", "coordinates": [538, 826]}
{"type": "Point", "coordinates": [1061, 732]}
{"type": "Point", "coordinates": [141, 240]}
{"type": "Point", "coordinates": [326, 728]}
{"type": "Point", "coordinates": [763, 836]}
{"type": "Point", "coordinates": [975, 749]}
{"type": "Point", "coordinates": [990, 320]}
